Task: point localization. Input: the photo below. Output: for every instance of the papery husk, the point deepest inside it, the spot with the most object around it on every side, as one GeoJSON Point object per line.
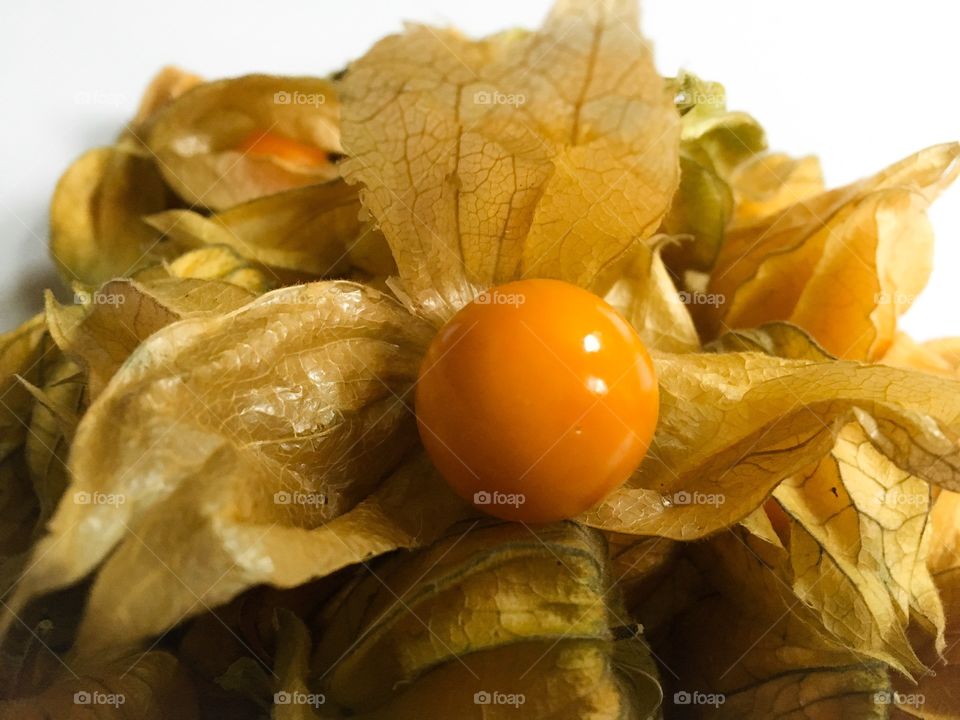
{"type": "Point", "coordinates": [197, 136]}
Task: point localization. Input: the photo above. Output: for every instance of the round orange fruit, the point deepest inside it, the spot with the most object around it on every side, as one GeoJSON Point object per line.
{"type": "Point", "coordinates": [536, 401]}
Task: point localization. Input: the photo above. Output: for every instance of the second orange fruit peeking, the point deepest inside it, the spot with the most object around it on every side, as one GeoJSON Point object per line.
{"type": "Point", "coordinates": [536, 401]}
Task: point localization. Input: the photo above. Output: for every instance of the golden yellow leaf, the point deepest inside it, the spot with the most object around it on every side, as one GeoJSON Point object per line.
{"type": "Point", "coordinates": [505, 610]}
{"type": "Point", "coordinates": [215, 144]}
{"type": "Point", "coordinates": [940, 357]}
{"type": "Point", "coordinates": [306, 232]}
{"type": "Point", "coordinates": [251, 435]}
{"type": "Point", "coordinates": [491, 167]}
{"type": "Point", "coordinates": [102, 333]}
{"type": "Point", "coordinates": [96, 230]}
{"type": "Point", "coordinates": [35, 383]}
{"type": "Point", "coordinates": [60, 402]}
{"type": "Point", "coordinates": [936, 693]}
{"type": "Point", "coordinates": [770, 182]}
{"type": "Point", "coordinates": [744, 647]}
{"type": "Point", "coordinates": [863, 250]}
{"type": "Point", "coordinates": [778, 338]}
{"type": "Point", "coordinates": [512, 569]}
{"type": "Point", "coordinates": [166, 86]}
{"type": "Point", "coordinates": [646, 296]}
{"type": "Point", "coordinates": [698, 217]}
{"type": "Point", "coordinates": [858, 547]}
{"type": "Point", "coordinates": [733, 425]}
{"type": "Point", "coordinates": [946, 348]}
{"type": "Point", "coordinates": [291, 667]}
{"type": "Point", "coordinates": [21, 354]}
{"type": "Point", "coordinates": [219, 263]}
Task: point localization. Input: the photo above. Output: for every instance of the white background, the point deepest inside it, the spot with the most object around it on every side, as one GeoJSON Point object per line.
{"type": "Point", "coordinates": [861, 83]}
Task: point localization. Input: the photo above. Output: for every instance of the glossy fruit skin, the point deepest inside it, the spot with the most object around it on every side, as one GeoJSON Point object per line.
{"type": "Point", "coordinates": [537, 389]}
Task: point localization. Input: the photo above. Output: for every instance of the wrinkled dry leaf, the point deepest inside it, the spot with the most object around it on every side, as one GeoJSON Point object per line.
{"type": "Point", "coordinates": [946, 348]}
{"type": "Point", "coordinates": [858, 549]}
{"type": "Point", "coordinates": [96, 227]}
{"type": "Point", "coordinates": [747, 648]}
{"type": "Point", "coordinates": [219, 263]}
{"type": "Point", "coordinates": [504, 609]}
{"type": "Point", "coordinates": [60, 402]}
{"type": "Point", "coordinates": [490, 167]}
{"type": "Point", "coordinates": [165, 87]}
{"type": "Point", "coordinates": [147, 686]}
{"type": "Point", "coordinates": [199, 138]}
{"type": "Point", "coordinates": [96, 230]}
{"type": "Point", "coordinates": [121, 314]}
{"type": "Point", "coordinates": [733, 425]}
{"type": "Point", "coordinates": [770, 182]}
{"type": "Point", "coordinates": [940, 357]}
{"type": "Point", "coordinates": [779, 339]}
{"type": "Point", "coordinates": [252, 435]}
{"type": "Point", "coordinates": [863, 250]}
{"type": "Point", "coordinates": [646, 296]}
{"type": "Point", "coordinates": [298, 233]}
{"type": "Point", "coordinates": [21, 353]}
{"type": "Point", "coordinates": [936, 696]}
{"type": "Point", "coordinates": [35, 381]}
{"type": "Point", "coordinates": [698, 217]}
{"type": "Point", "coordinates": [480, 590]}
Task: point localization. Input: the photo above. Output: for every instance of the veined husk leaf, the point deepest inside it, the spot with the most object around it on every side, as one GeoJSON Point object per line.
{"type": "Point", "coordinates": [505, 609]}
{"type": "Point", "coordinates": [166, 86]}
{"type": "Point", "coordinates": [770, 182]}
{"type": "Point", "coordinates": [60, 402]}
{"type": "Point", "coordinates": [253, 435]}
{"type": "Point", "coordinates": [857, 527]}
{"type": "Point", "coordinates": [218, 263]}
{"type": "Point", "coordinates": [491, 167]}
{"type": "Point", "coordinates": [863, 250]}
{"type": "Point", "coordinates": [147, 686]}
{"type": "Point", "coordinates": [96, 227]}
{"type": "Point", "coordinates": [946, 348]}
{"type": "Point", "coordinates": [646, 296]}
{"type": "Point", "coordinates": [746, 640]}
{"type": "Point", "coordinates": [36, 383]}
{"type": "Point", "coordinates": [940, 357]}
{"type": "Point", "coordinates": [859, 540]}
{"type": "Point", "coordinates": [198, 137]}
{"type": "Point", "coordinates": [21, 354]}
{"type": "Point", "coordinates": [779, 339]}
{"type": "Point", "coordinates": [574, 678]}
{"type": "Point", "coordinates": [640, 562]}
{"type": "Point", "coordinates": [479, 589]}
{"type": "Point", "coordinates": [698, 217]}
{"type": "Point", "coordinates": [121, 314]}
{"type": "Point", "coordinates": [936, 693]}
{"type": "Point", "coordinates": [733, 425]}
{"type": "Point", "coordinates": [304, 232]}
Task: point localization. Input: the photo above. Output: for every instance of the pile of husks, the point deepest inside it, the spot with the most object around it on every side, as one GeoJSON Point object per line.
{"type": "Point", "coordinates": [214, 501]}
